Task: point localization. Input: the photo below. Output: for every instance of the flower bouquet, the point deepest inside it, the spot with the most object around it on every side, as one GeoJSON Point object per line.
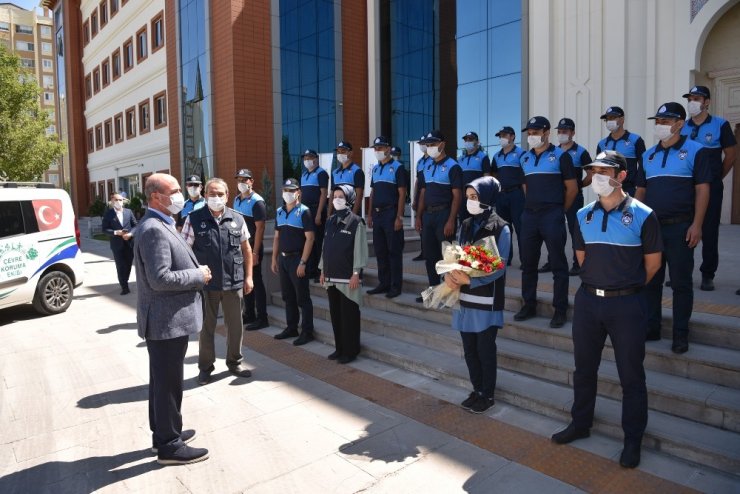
{"type": "Point", "coordinates": [478, 259]}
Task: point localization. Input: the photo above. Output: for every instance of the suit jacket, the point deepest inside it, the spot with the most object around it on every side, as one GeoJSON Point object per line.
{"type": "Point", "coordinates": [111, 224]}
{"type": "Point", "coordinates": [169, 282]}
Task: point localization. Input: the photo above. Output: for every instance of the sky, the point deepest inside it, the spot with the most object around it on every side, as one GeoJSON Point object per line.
{"type": "Point", "coordinates": [26, 4]}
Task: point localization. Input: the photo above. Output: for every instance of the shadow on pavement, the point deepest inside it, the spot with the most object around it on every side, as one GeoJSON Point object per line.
{"type": "Point", "coordinates": [116, 327]}
{"type": "Point", "coordinates": [381, 444]}
{"type": "Point", "coordinates": [85, 475]}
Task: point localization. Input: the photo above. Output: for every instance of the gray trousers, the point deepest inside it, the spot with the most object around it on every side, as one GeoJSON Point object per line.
{"type": "Point", "coordinates": [231, 301]}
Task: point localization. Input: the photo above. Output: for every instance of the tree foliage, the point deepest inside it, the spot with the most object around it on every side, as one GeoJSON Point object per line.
{"type": "Point", "coordinates": [26, 151]}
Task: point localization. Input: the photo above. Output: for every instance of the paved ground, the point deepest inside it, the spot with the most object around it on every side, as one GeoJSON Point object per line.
{"type": "Point", "coordinates": [73, 419]}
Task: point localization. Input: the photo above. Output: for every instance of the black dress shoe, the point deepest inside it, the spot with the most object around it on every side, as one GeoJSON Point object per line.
{"type": "Point", "coordinates": [255, 325]}
{"type": "Point", "coordinates": [680, 343]}
{"type": "Point", "coordinates": [630, 456]}
{"type": "Point", "coordinates": [393, 293]}
{"type": "Point", "coordinates": [653, 335]}
{"type": "Point", "coordinates": [377, 290]}
{"type": "Point", "coordinates": [286, 333]}
{"type": "Point", "coordinates": [707, 284]}
{"type": "Point", "coordinates": [125, 291]}
{"type": "Point", "coordinates": [333, 355]}
{"type": "Point", "coordinates": [185, 436]}
{"type": "Point", "coordinates": [204, 377]}
{"type": "Point", "coordinates": [468, 402]}
{"type": "Point", "coordinates": [737, 292]}
{"type": "Point", "coordinates": [574, 270]}
{"type": "Point", "coordinates": [545, 268]}
{"type": "Point", "coordinates": [183, 456]}
{"type": "Point", "coordinates": [481, 404]}
{"type": "Point", "coordinates": [240, 370]}
{"type": "Point", "coordinates": [570, 434]}
{"type": "Point", "coordinates": [419, 300]}
{"type": "Point", "coordinates": [344, 359]}
{"type": "Point", "coordinates": [248, 320]}
{"type": "Point", "coordinates": [420, 257]}
{"type": "Point", "coordinates": [558, 320]}
{"type": "Point", "coordinates": [304, 338]}
{"type": "Point", "coordinates": [526, 312]}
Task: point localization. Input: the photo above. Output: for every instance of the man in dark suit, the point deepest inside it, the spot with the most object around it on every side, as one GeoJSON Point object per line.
{"type": "Point", "coordinates": [169, 309]}
{"type": "Point", "coordinates": [119, 224]}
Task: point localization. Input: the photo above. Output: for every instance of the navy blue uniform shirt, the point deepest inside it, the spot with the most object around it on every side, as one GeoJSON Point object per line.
{"type": "Point", "coordinates": [715, 134]}
{"type": "Point", "coordinates": [438, 179]}
{"type": "Point", "coordinates": [632, 148]}
{"type": "Point", "coordinates": [545, 175]}
{"type": "Point", "coordinates": [580, 158]}
{"type": "Point", "coordinates": [311, 184]}
{"type": "Point", "coordinates": [293, 226]}
{"type": "Point", "coordinates": [386, 179]}
{"type": "Point", "coordinates": [508, 167]}
{"type": "Point", "coordinates": [352, 175]}
{"type": "Point", "coordinates": [672, 175]}
{"type": "Point", "coordinates": [474, 165]}
{"type": "Point", "coordinates": [253, 209]}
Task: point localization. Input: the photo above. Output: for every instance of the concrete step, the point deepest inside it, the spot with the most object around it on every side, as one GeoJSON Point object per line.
{"type": "Point", "coordinates": [675, 436]}
{"type": "Point", "coordinates": [708, 329]}
{"type": "Point", "coordinates": [710, 404]}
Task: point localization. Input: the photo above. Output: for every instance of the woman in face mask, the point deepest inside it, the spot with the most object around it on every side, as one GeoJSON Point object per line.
{"type": "Point", "coordinates": [343, 258]}
{"type": "Point", "coordinates": [482, 298]}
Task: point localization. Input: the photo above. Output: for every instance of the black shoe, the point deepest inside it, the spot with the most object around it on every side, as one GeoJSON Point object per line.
{"type": "Point", "coordinates": [304, 338]}
{"type": "Point", "coordinates": [185, 436]}
{"type": "Point", "coordinates": [680, 343]}
{"type": "Point", "coordinates": [630, 457]}
{"type": "Point", "coordinates": [574, 270]}
{"type": "Point", "coordinates": [668, 283]}
{"type": "Point", "coordinates": [558, 320]}
{"type": "Point", "coordinates": [204, 377]}
{"type": "Point", "coordinates": [545, 268]}
{"type": "Point", "coordinates": [570, 434]}
{"type": "Point", "coordinates": [344, 359]}
{"type": "Point", "coordinates": [468, 402]}
{"type": "Point", "coordinates": [377, 290]}
{"type": "Point", "coordinates": [419, 300]}
{"type": "Point", "coordinates": [317, 279]}
{"type": "Point", "coordinates": [420, 257]}
{"type": "Point", "coordinates": [653, 335]}
{"type": "Point", "coordinates": [707, 284]}
{"type": "Point", "coordinates": [248, 320]}
{"type": "Point", "coordinates": [333, 355]}
{"type": "Point", "coordinates": [255, 325]}
{"type": "Point", "coordinates": [125, 291]}
{"type": "Point", "coordinates": [183, 456]}
{"type": "Point", "coordinates": [481, 404]}
{"type": "Point", "coordinates": [240, 370]}
{"type": "Point", "coordinates": [393, 293]}
{"type": "Point", "coordinates": [526, 312]}
{"type": "Point", "coordinates": [286, 333]}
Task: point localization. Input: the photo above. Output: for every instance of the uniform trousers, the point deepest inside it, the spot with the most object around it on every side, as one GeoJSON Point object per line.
{"type": "Point", "coordinates": [166, 362]}
{"type": "Point", "coordinates": [345, 321]}
{"type": "Point", "coordinates": [480, 357]}
{"type": "Point", "coordinates": [231, 302]}
{"type": "Point", "coordinates": [295, 294]}
{"type": "Point", "coordinates": [432, 236]}
{"type": "Point", "coordinates": [388, 244]}
{"type": "Point", "coordinates": [124, 259]}
{"type": "Point", "coordinates": [312, 265]}
{"type": "Point", "coordinates": [624, 319]}
{"type": "Point", "coordinates": [255, 302]}
{"type": "Point", "coordinates": [710, 230]}
{"type": "Point", "coordinates": [570, 215]}
{"type": "Point", "coordinates": [546, 225]}
{"type": "Point", "coordinates": [680, 260]}
{"type": "Point", "coordinates": [509, 206]}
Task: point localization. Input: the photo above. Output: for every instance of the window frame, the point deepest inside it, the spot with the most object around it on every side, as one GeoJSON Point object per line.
{"type": "Point", "coordinates": [118, 118]}
{"type": "Point", "coordinates": [103, 9]}
{"type": "Point", "coordinates": [124, 53]}
{"type": "Point", "coordinates": [99, 137]}
{"type": "Point", "coordinates": [90, 140]}
{"type": "Point", "coordinates": [129, 111]}
{"type": "Point", "coordinates": [108, 132]}
{"type": "Point", "coordinates": [86, 32]}
{"type": "Point", "coordinates": [145, 104]}
{"type": "Point", "coordinates": [88, 87]}
{"type": "Point", "coordinates": [139, 56]}
{"type": "Point", "coordinates": [113, 11]}
{"type": "Point", "coordinates": [94, 23]}
{"type": "Point", "coordinates": [163, 96]}
{"type": "Point", "coordinates": [96, 80]}
{"type": "Point", "coordinates": [157, 18]}
{"type": "Point", "coordinates": [116, 52]}
{"type": "Point", "coordinates": [105, 72]}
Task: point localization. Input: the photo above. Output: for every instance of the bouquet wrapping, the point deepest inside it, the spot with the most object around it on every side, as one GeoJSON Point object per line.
{"type": "Point", "coordinates": [478, 259]}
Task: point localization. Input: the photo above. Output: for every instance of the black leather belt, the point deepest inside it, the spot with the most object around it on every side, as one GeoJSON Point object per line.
{"type": "Point", "coordinates": [291, 254]}
{"type": "Point", "coordinates": [512, 188]}
{"type": "Point", "coordinates": [687, 218]}
{"type": "Point", "coordinates": [434, 209]}
{"type": "Point", "coordinates": [603, 292]}
{"type": "Point", "coordinates": [544, 207]}
{"type": "Point", "coordinates": [383, 208]}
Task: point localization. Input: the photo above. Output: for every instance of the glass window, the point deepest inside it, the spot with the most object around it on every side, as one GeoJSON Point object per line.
{"type": "Point", "coordinates": [472, 16]}
{"type": "Point", "coordinates": [48, 82]}
{"type": "Point", "coordinates": [141, 45]}
{"type": "Point", "coordinates": [27, 63]}
{"type": "Point", "coordinates": [11, 219]}
{"type": "Point", "coordinates": [144, 117]}
{"type": "Point", "coordinates": [4, 26]}
{"type": "Point", "coordinates": [506, 49]}
{"type": "Point", "coordinates": [20, 28]}
{"type": "Point", "coordinates": [46, 48]}
{"type": "Point", "coordinates": [46, 31]}
{"type": "Point", "coordinates": [47, 64]}
{"type": "Point", "coordinates": [471, 58]}
{"type": "Point", "coordinates": [503, 11]}
{"type": "Point", "coordinates": [24, 46]}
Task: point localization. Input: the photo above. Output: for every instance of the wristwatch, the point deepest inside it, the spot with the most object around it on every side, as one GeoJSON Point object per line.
{"type": "Point", "coordinates": [302, 262]}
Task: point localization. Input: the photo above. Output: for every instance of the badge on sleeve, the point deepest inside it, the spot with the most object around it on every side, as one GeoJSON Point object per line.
{"type": "Point", "coordinates": [627, 218]}
{"type": "Point", "coordinates": [682, 154]}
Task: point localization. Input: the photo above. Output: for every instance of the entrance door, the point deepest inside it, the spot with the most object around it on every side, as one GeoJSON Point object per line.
{"type": "Point", "coordinates": [726, 103]}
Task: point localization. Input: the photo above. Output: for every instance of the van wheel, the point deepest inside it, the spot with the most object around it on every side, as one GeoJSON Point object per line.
{"type": "Point", "coordinates": [53, 293]}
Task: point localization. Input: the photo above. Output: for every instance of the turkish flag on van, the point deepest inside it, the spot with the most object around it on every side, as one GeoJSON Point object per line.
{"type": "Point", "coordinates": [48, 213]}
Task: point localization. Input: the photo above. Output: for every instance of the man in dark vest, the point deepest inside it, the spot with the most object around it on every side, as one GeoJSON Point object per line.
{"type": "Point", "coordinates": [220, 240]}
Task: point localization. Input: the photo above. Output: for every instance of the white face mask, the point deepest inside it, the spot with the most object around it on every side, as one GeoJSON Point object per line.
{"type": "Point", "coordinates": [289, 197]}
{"type": "Point", "coordinates": [309, 164]}
{"type": "Point", "coordinates": [339, 203]}
{"type": "Point", "coordinates": [342, 158]}
{"type": "Point", "coordinates": [563, 138]}
{"type": "Point", "coordinates": [694, 108]}
{"type": "Point", "coordinates": [380, 155]}
{"type": "Point", "coordinates": [469, 145]}
{"type": "Point", "coordinates": [612, 125]}
{"type": "Point", "coordinates": [663, 132]}
{"type": "Point", "coordinates": [601, 185]}
{"type": "Point", "coordinates": [423, 148]}
{"type": "Point", "coordinates": [534, 141]}
{"type": "Point", "coordinates": [194, 191]}
{"type": "Point", "coordinates": [434, 152]}
{"type": "Point", "coordinates": [117, 205]}
{"type": "Point", "coordinates": [243, 187]}
{"type": "Point", "coordinates": [177, 202]}
{"type": "Point", "coordinates": [503, 142]}
{"type": "Point", "coordinates": [216, 203]}
{"type": "Point", "coordinates": [475, 207]}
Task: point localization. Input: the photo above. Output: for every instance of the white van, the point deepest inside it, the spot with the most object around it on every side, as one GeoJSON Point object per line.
{"type": "Point", "coordinates": [40, 258]}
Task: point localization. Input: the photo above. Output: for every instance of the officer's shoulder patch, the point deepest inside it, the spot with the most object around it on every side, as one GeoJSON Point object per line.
{"type": "Point", "coordinates": [627, 218]}
{"type": "Point", "coordinates": [552, 157]}
{"type": "Point", "coordinates": [682, 154]}
{"type": "Point", "coordinates": [708, 137]}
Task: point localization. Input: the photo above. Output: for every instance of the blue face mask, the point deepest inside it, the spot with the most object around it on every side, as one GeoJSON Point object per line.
{"type": "Point", "coordinates": [469, 145]}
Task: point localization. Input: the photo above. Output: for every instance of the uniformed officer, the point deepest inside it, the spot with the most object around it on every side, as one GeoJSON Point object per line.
{"type": "Point", "coordinates": [291, 248]}
{"type": "Point", "coordinates": [344, 256]}
{"type": "Point", "coordinates": [348, 172]}
{"type": "Point", "coordinates": [220, 240]}
{"type": "Point", "coordinates": [629, 145]}
{"type": "Point", "coordinates": [566, 131]}
{"type": "Point", "coordinates": [252, 207]}
{"type": "Point", "coordinates": [314, 192]}
{"type": "Point", "coordinates": [506, 166]}
{"type": "Point", "coordinates": [618, 244]}
{"type": "Point", "coordinates": [678, 173]}
{"type": "Point", "coordinates": [387, 201]}
{"type": "Point", "coordinates": [439, 202]}
{"type": "Point", "coordinates": [396, 153]}
{"type": "Point", "coordinates": [550, 188]}
{"type": "Point", "coordinates": [474, 163]}
{"type": "Point", "coordinates": [194, 202]}
{"type": "Point", "coordinates": [715, 134]}
{"type": "Point", "coordinates": [420, 164]}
